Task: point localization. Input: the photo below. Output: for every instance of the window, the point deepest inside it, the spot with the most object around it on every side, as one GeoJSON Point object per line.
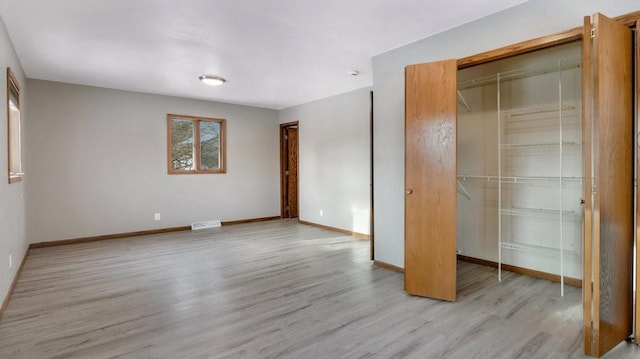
{"type": "Point", "coordinates": [13, 125]}
{"type": "Point", "coordinates": [195, 144]}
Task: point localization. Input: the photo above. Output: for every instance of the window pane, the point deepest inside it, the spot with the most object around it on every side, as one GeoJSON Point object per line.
{"type": "Point", "coordinates": [196, 144]}
{"type": "Point", "coordinates": [15, 162]}
{"type": "Point", "coordinates": [182, 145]}
{"type": "Point", "coordinates": [13, 129]}
{"type": "Point", "coordinates": [209, 145]}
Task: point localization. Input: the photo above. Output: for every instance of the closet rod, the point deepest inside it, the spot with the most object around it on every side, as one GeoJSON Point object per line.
{"type": "Point", "coordinates": [516, 179]}
{"type": "Point", "coordinates": [539, 110]}
{"type": "Point", "coordinates": [517, 74]}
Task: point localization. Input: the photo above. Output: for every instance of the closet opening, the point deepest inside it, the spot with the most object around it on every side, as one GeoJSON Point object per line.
{"type": "Point", "coordinates": [519, 165]}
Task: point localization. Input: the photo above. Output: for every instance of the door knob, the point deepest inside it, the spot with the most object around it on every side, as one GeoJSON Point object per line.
{"type": "Point", "coordinates": [409, 191]}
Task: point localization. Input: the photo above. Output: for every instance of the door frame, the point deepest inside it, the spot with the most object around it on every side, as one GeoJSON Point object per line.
{"type": "Point", "coordinates": [283, 175]}
{"type": "Point", "coordinates": [372, 250]}
{"type": "Point", "coordinates": [636, 146]}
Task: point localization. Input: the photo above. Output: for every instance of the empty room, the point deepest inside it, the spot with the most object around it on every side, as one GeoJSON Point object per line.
{"type": "Point", "coordinates": [319, 179]}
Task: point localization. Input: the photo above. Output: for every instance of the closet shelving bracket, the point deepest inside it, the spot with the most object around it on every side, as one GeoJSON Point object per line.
{"type": "Point", "coordinates": [463, 101]}
{"type": "Point", "coordinates": [463, 190]}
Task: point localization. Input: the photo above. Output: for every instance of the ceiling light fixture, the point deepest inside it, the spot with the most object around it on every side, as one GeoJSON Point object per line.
{"type": "Point", "coordinates": [212, 80]}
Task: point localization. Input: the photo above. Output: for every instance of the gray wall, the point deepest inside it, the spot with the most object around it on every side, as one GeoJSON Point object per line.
{"type": "Point", "coordinates": [13, 241]}
{"type": "Point", "coordinates": [334, 160]}
{"type": "Point", "coordinates": [97, 162]}
{"type": "Point", "coordinates": [530, 20]}
{"type": "Point", "coordinates": [95, 159]}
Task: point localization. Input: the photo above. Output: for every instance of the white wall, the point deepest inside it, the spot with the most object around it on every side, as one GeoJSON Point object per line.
{"type": "Point", "coordinates": [97, 163]}
{"type": "Point", "coordinates": [530, 20]}
{"type": "Point", "coordinates": [477, 153]}
{"type": "Point", "coordinates": [12, 204]}
{"type": "Point", "coordinates": [334, 160]}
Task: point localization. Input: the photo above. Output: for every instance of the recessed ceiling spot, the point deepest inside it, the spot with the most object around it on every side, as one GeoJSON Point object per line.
{"type": "Point", "coordinates": [354, 72]}
{"type": "Point", "coordinates": [212, 80]}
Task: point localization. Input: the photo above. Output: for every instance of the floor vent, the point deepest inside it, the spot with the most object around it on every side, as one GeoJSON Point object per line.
{"type": "Point", "coordinates": [206, 225]}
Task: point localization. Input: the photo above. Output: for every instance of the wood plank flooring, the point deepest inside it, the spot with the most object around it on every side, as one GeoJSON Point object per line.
{"type": "Point", "coordinates": [272, 290]}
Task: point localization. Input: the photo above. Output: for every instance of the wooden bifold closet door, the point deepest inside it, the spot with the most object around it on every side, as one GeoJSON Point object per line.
{"type": "Point", "coordinates": [430, 179]}
{"type": "Point", "coordinates": [608, 151]}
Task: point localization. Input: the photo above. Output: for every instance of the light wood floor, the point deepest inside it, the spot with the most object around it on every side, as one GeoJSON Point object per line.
{"type": "Point", "coordinates": [272, 290]}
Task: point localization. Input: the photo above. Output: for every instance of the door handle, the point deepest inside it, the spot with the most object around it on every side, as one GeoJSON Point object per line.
{"type": "Point", "coordinates": [581, 201]}
{"type": "Point", "coordinates": [409, 191]}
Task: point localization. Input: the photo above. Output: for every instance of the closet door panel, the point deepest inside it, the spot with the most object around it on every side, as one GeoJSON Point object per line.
{"type": "Point", "coordinates": [611, 242]}
{"type": "Point", "coordinates": [430, 179]}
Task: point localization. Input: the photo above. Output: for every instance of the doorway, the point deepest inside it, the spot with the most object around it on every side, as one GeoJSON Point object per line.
{"type": "Point", "coordinates": [289, 170]}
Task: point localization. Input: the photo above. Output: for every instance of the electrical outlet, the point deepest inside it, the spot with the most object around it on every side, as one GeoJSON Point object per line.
{"type": "Point", "coordinates": [10, 261]}
{"type": "Point", "coordinates": [156, 216]}
{"type": "Point", "coordinates": [321, 213]}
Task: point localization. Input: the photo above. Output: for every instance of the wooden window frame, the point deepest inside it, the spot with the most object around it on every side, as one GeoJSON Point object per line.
{"type": "Point", "coordinates": [196, 148]}
{"type": "Point", "coordinates": [14, 140]}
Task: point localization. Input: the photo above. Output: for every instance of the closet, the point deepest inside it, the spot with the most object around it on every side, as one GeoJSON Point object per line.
{"type": "Point", "coordinates": [526, 160]}
{"type": "Point", "coordinates": [519, 167]}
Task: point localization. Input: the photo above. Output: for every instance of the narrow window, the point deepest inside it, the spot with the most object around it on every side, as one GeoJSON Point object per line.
{"type": "Point", "coordinates": [195, 144]}
{"type": "Point", "coordinates": [13, 126]}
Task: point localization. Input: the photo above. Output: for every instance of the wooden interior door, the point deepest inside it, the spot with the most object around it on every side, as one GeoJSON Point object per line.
{"type": "Point", "coordinates": [430, 180]}
{"type": "Point", "coordinates": [292, 172]}
{"type": "Point", "coordinates": [289, 170]}
{"type": "Point", "coordinates": [608, 145]}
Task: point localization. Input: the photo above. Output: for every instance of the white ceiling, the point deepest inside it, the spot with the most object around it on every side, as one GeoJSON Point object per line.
{"type": "Point", "coordinates": [274, 53]}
